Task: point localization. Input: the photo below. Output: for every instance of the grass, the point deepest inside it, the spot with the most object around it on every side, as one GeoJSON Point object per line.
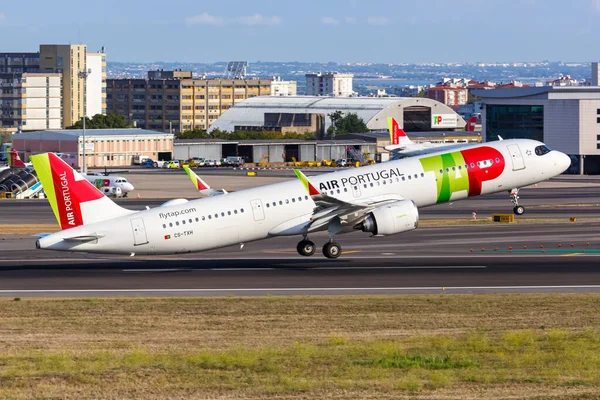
{"type": "Point", "coordinates": [459, 346]}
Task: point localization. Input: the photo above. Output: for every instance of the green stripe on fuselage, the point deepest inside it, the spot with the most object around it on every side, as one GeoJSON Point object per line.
{"type": "Point", "coordinates": [450, 181]}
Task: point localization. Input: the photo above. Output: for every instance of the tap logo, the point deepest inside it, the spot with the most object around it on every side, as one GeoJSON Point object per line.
{"type": "Point", "coordinates": [464, 171]}
{"type": "Point", "coordinates": [437, 119]}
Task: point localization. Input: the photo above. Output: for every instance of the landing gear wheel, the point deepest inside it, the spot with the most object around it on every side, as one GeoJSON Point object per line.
{"type": "Point", "coordinates": [332, 250]}
{"type": "Point", "coordinates": [306, 248]}
{"type": "Point", "coordinates": [519, 210]}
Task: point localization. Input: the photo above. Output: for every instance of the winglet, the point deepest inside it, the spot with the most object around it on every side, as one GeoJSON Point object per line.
{"type": "Point", "coordinates": [196, 180]}
{"type": "Point", "coordinates": [202, 186]}
{"type": "Point", "coordinates": [312, 191]}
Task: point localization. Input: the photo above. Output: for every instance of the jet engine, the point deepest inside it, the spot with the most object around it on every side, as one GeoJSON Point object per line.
{"type": "Point", "coordinates": [174, 202]}
{"type": "Point", "coordinates": [400, 216]}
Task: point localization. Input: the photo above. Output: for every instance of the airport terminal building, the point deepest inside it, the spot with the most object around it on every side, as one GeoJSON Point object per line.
{"type": "Point", "coordinates": [565, 118]}
{"type": "Point", "coordinates": [311, 113]}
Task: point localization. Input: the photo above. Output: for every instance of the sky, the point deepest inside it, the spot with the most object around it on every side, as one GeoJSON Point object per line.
{"type": "Point", "coordinates": [377, 31]}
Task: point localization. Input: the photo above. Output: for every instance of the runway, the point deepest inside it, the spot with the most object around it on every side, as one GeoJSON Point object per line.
{"type": "Point", "coordinates": [450, 259]}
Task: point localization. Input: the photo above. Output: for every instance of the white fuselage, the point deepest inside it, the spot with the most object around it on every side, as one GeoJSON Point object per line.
{"type": "Point", "coordinates": [286, 209]}
{"type": "Point", "coordinates": [103, 181]}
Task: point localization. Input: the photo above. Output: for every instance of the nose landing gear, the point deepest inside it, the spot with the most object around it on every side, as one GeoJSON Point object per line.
{"type": "Point", "coordinates": [514, 197]}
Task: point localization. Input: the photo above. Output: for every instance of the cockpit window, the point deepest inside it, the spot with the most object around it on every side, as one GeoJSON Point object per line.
{"type": "Point", "coordinates": [541, 150]}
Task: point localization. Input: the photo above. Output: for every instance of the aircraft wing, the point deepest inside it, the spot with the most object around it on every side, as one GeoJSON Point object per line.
{"type": "Point", "coordinates": [328, 208]}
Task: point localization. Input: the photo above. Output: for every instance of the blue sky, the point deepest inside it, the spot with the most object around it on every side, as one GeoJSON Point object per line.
{"type": "Point", "coordinates": [392, 31]}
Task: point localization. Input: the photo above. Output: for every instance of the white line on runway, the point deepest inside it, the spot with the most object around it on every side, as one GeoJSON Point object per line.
{"type": "Point", "coordinates": [312, 269]}
{"type": "Point", "coordinates": [330, 289]}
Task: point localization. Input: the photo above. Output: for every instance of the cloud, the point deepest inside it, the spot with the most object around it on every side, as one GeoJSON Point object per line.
{"type": "Point", "coordinates": [329, 21]}
{"type": "Point", "coordinates": [205, 19]}
{"type": "Point", "coordinates": [350, 20]}
{"type": "Point", "coordinates": [378, 21]}
{"type": "Point", "coordinates": [259, 19]}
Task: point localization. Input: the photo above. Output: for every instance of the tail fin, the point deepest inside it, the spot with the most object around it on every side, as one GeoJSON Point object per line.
{"type": "Point", "coordinates": [397, 134]}
{"type": "Point", "coordinates": [202, 186]}
{"type": "Point", "coordinates": [74, 200]}
{"type": "Point", "coordinates": [14, 160]}
{"type": "Point", "coordinates": [471, 124]}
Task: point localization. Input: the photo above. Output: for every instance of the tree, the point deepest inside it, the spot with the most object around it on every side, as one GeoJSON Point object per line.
{"type": "Point", "coordinates": [100, 121]}
{"type": "Point", "coordinates": [243, 135]}
{"type": "Point", "coordinates": [349, 123]}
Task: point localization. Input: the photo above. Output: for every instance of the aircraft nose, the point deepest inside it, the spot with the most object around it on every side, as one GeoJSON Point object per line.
{"type": "Point", "coordinates": [128, 187]}
{"type": "Point", "coordinates": [563, 161]}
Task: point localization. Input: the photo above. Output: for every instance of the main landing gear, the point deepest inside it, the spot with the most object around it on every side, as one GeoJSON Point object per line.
{"type": "Point", "coordinates": [514, 197]}
{"type": "Point", "coordinates": [332, 250]}
{"type": "Point", "coordinates": [306, 247]}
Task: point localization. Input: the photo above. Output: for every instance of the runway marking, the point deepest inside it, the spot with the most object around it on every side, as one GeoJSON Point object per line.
{"type": "Point", "coordinates": [317, 289]}
{"type": "Point", "coordinates": [312, 269]}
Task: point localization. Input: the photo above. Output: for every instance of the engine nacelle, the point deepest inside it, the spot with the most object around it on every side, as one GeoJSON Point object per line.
{"type": "Point", "coordinates": [400, 216]}
{"type": "Point", "coordinates": [174, 202]}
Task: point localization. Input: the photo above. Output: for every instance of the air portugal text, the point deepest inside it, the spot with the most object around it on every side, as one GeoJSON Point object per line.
{"type": "Point", "coordinates": [360, 179]}
{"type": "Point", "coordinates": [66, 195]}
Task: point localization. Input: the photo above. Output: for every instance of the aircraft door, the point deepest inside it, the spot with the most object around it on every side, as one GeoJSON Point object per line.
{"type": "Point", "coordinates": [356, 190]}
{"type": "Point", "coordinates": [517, 158]}
{"type": "Point", "coordinates": [139, 231]}
{"type": "Point", "coordinates": [257, 209]}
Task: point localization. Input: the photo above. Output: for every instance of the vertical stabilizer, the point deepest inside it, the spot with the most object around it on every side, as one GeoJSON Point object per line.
{"type": "Point", "coordinates": [14, 161]}
{"type": "Point", "coordinates": [74, 200]}
{"type": "Point", "coordinates": [397, 134]}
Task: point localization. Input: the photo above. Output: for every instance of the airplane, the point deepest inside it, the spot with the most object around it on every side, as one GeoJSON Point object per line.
{"type": "Point", "coordinates": [104, 181]}
{"type": "Point", "coordinates": [381, 199]}
{"type": "Point", "coordinates": [14, 161]}
{"type": "Point", "coordinates": [401, 145]}
{"type": "Point", "coordinates": [202, 186]}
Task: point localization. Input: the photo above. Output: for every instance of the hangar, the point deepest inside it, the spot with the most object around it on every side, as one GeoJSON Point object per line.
{"type": "Point", "coordinates": [310, 113]}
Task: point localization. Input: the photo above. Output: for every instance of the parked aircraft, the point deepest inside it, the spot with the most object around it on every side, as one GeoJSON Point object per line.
{"type": "Point", "coordinates": [401, 145]}
{"type": "Point", "coordinates": [14, 161]}
{"type": "Point", "coordinates": [382, 199]}
{"type": "Point", "coordinates": [104, 182]}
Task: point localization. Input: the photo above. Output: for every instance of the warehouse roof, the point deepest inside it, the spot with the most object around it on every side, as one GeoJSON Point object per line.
{"type": "Point", "coordinates": [73, 134]}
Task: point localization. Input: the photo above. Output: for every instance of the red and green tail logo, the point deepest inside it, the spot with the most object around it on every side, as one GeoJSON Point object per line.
{"type": "Point", "coordinates": [65, 189]}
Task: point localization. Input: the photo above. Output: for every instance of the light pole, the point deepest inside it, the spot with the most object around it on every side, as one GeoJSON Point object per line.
{"type": "Point", "coordinates": [84, 75]}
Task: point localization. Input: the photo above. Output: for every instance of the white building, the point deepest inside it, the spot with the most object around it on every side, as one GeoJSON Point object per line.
{"type": "Point", "coordinates": [565, 118]}
{"type": "Point", "coordinates": [95, 97]}
{"type": "Point", "coordinates": [282, 88]}
{"type": "Point", "coordinates": [329, 84]}
{"type": "Point", "coordinates": [31, 101]}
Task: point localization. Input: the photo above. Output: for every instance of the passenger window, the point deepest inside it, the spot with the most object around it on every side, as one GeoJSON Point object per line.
{"type": "Point", "coordinates": [210, 217]}
{"type": "Point", "coordinates": [338, 191]}
{"type": "Point", "coordinates": [441, 171]}
{"type": "Point", "coordinates": [447, 169]}
{"type": "Point", "coordinates": [268, 205]}
{"type": "Point", "coordinates": [191, 220]}
{"type": "Point", "coordinates": [177, 223]}
{"type": "Point", "coordinates": [299, 198]}
{"type": "Point", "coordinates": [183, 222]}
{"type": "Point", "coordinates": [409, 178]}
{"type": "Point", "coordinates": [170, 224]}
{"type": "Point", "coordinates": [372, 184]}
{"type": "Point", "coordinates": [222, 214]}
{"type": "Point", "coordinates": [216, 215]}
{"type": "Point", "coordinates": [235, 211]}
{"type": "Point", "coordinates": [365, 185]}
{"type": "Point", "coordinates": [287, 201]}
{"type": "Point", "coordinates": [345, 189]}
{"type": "Point", "coordinates": [384, 182]}
{"type": "Point", "coordinates": [229, 212]}
{"type": "Point", "coordinates": [164, 226]}
{"type": "Point", "coordinates": [293, 199]}
{"type": "Point", "coordinates": [416, 176]}
{"type": "Point", "coordinates": [241, 210]}
{"type": "Point", "coordinates": [280, 202]}
{"type": "Point", "coordinates": [472, 165]}
{"type": "Point", "coordinates": [422, 175]}
{"type": "Point", "coordinates": [355, 187]}
{"type": "Point", "coordinates": [306, 197]}
{"type": "Point", "coordinates": [459, 167]}
{"type": "Point", "coordinates": [403, 179]}
{"type": "Point", "coordinates": [203, 218]}
{"type": "Point", "coordinates": [453, 168]}
{"type": "Point", "coordinates": [497, 160]}
{"type": "Point", "coordinates": [197, 220]}
{"type": "Point", "coordinates": [274, 204]}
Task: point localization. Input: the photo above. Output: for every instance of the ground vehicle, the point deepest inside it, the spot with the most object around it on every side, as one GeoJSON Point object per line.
{"type": "Point", "coordinates": [195, 162]}
{"type": "Point", "coordinates": [234, 161]}
{"type": "Point", "coordinates": [211, 163]}
{"type": "Point", "coordinates": [140, 160]}
{"type": "Point", "coordinates": [171, 164]}
{"type": "Point", "coordinates": [150, 163]}
{"type": "Point", "coordinates": [344, 162]}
